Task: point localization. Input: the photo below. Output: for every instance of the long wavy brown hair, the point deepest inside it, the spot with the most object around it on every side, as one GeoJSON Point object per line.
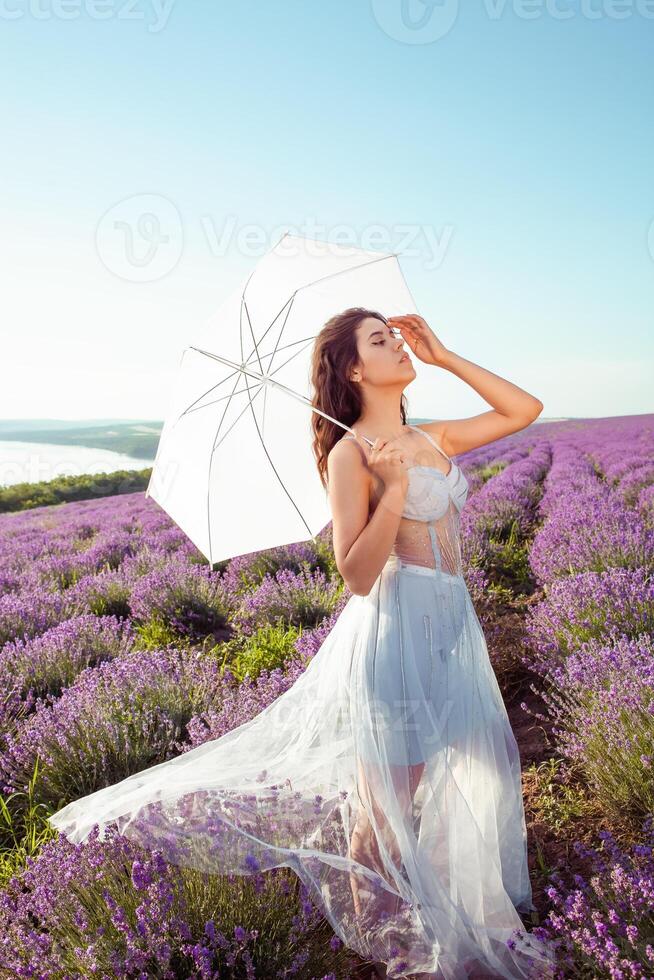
{"type": "Point", "coordinates": [334, 355]}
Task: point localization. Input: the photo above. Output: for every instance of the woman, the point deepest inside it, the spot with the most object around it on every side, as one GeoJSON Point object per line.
{"type": "Point", "coordinates": [387, 776]}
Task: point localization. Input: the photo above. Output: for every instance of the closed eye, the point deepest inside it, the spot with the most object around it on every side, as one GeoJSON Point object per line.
{"type": "Point", "coordinates": [394, 335]}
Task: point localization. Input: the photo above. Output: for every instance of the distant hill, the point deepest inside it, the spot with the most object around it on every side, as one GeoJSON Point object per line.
{"type": "Point", "coordinates": [134, 437]}
{"type": "Point", "coordinates": [562, 418]}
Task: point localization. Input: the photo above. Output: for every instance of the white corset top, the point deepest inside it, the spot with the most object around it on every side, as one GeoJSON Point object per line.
{"type": "Point", "coordinates": [428, 533]}
{"type": "Point", "coordinates": [429, 492]}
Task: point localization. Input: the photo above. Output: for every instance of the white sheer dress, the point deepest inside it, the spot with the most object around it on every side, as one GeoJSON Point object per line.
{"type": "Point", "coordinates": [387, 777]}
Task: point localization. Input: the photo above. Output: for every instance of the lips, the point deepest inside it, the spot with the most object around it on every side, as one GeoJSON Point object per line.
{"type": "Point", "coordinates": [405, 357]}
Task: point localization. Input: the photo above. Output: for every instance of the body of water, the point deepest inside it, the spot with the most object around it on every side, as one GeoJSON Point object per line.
{"type": "Point", "coordinates": [30, 462]}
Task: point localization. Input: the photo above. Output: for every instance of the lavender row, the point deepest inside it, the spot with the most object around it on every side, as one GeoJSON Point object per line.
{"type": "Point", "coordinates": [591, 642]}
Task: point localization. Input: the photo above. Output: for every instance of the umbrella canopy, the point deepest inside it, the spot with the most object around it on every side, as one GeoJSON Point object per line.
{"type": "Point", "coordinates": [234, 467]}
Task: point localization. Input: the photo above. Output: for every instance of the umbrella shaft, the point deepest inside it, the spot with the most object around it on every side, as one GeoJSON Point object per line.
{"type": "Point", "coordinates": [282, 387]}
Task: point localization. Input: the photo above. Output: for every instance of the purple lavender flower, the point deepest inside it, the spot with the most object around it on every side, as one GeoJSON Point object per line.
{"type": "Point", "coordinates": [602, 924]}
{"type": "Point", "coordinates": [297, 598]}
{"type": "Point", "coordinates": [115, 719]}
{"type": "Point", "coordinates": [191, 599]}
{"type": "Point", "coordinates": [45, 665]}
{"type": "Point", "coordinates": [588, 606]}
{"type": "Point", "coordinates": [110, 908]}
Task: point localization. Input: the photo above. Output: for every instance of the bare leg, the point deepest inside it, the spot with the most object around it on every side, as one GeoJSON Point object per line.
{"type": "Point", "coordinates": [365, 843]}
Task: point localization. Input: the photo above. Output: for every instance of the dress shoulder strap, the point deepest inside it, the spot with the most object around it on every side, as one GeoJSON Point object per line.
{"type": "Point", "coordinates": [431, 440]}
{"type": "Point", "coordinates": [348, 435]}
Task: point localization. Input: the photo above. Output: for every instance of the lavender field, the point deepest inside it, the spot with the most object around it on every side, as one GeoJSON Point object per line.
{"type": "Point", "coordinates": [121, 648]}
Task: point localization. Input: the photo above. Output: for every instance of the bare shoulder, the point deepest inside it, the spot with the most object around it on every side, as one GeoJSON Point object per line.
{"type": "Point", "coordinates": [346, 457]}
{"type": "Point", "coordinates": [346, 453]}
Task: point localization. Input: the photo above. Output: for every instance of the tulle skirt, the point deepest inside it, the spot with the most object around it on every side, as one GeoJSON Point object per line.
{"type": "Point", "coordinates": [387, 777]}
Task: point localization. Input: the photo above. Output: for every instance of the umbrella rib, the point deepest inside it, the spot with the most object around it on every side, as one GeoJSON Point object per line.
{"type": "Point", "coordinates": [404, 279]}
{"type": "Point", "coordinates": [289, 306]}
{"type": "Point", "coordinates": [216, 444]}
{"type": "Point", "coordinates": [289, 301]}
{"type": "Point", "coordinates": [304, 340]}
{"type": "Point", "coordinates": [339, 272]}
{"type": "Point", "coordinates": [274, 468]}
{"type": "Point", "coordinates": [244, 307]}
{"type": "Point", "coordinates": [288, 311]}
{"type": "Point", "coordinates": [213, 449]}
{"type": "Point", "coordinates": [204, 394]}
{"type": "Point", "coordinates": [299, 397]}
{"type": "Point", "coordinates": [342, 272]}
{"type": "Point", "coordinates": [244, 409]}
{"type": "Point", "coordinates": [242, 370]}
{"type": "Point", "coordinates": [236, 371]}
{"type": "Point", "coordinates": [192, 406]}
{"type": "Point", "coordinates": [278, 384]}
{"type": "Point", "coordinates": [215, 401]}
{"type": "Point", "coordinates": [254, 416]}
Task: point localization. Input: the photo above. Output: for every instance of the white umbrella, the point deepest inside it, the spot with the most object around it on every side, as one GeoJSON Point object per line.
{"type": "Point", "coordinates": [234, 467]}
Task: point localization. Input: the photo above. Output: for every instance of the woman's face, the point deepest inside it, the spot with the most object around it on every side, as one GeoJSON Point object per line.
{"type": "Point", "coordinates": [380, 352]}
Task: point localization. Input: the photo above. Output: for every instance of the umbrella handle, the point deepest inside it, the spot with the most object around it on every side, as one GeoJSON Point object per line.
{"type": "Point", "coordinates": [365, 438]}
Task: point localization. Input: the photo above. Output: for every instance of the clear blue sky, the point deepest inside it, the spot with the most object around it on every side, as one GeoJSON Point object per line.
{"type": "Point", "coordinates": [514, 142]}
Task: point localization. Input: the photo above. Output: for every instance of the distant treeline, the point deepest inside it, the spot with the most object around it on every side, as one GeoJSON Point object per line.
{"type": "Point", "coordinates": [64, 489]}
